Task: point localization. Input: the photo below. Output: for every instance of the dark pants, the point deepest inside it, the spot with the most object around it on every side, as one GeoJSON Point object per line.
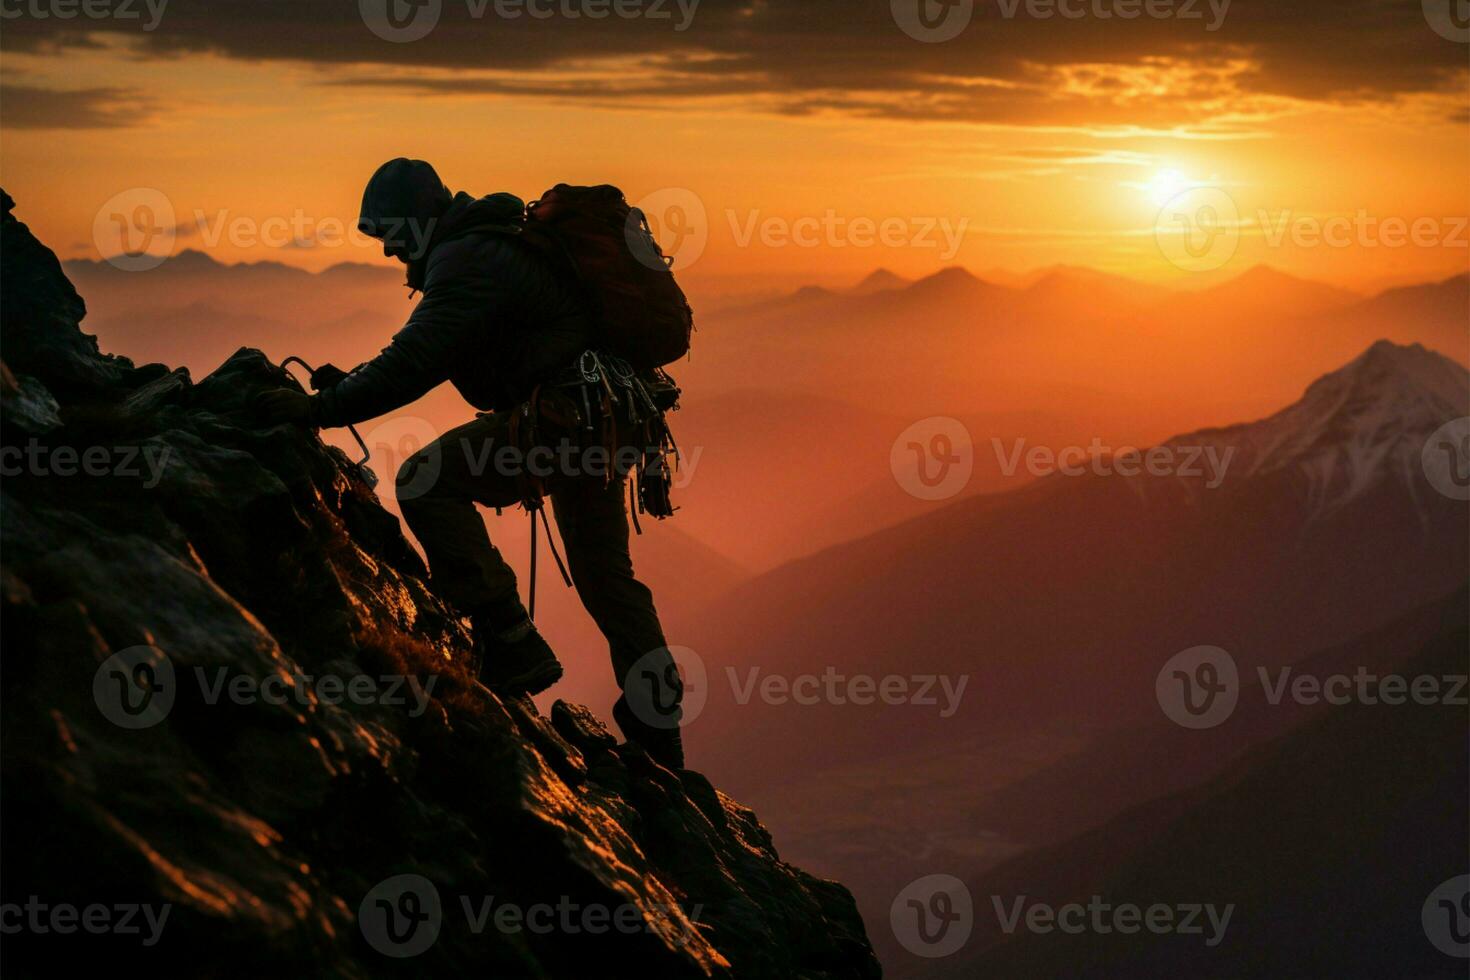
{"type": "Point", "coordinates": [476, 463]}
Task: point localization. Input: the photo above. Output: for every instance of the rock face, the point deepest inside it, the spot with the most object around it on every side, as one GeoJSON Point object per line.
{"type": "Point", "coordinates": [205, 718]}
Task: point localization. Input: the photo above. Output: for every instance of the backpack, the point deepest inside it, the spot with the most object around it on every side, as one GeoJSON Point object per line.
{"type": "Point", "coordinates": [642, 314]}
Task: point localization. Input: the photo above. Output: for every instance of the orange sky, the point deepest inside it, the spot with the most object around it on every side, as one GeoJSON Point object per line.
{"type": "Point", "coordinates": [1359, 179]}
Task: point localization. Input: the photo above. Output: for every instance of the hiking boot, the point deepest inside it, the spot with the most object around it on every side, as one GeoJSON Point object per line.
{"type": "Point", "coordinates": [516, 660]}
{"type": "Point", "coordinates": [664, 745]}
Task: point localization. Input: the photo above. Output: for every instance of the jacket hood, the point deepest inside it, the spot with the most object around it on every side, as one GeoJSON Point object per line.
{"type": "Point", "coordinates": [403, 202]}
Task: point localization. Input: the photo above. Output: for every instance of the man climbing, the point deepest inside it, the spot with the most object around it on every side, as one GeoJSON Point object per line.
{"type": "Point", "coordinates": [521, 338]}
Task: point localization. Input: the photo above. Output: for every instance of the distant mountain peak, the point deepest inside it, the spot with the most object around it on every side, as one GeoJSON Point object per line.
{"type": "Point", "coordinates": [953, 273]}
{"type": "Point", "coordinates": [1387, 370]}
{"type": "Point", "coordinates": [1261, 272]}
{"type": "Point", "coordinates": [878, 281]}
{"type": "Point", "coordinates": [949, 280]}
{"type": "Point", "coordinates": [1352, 429]}
{"type": "Point", "coordinates": [194, 258]}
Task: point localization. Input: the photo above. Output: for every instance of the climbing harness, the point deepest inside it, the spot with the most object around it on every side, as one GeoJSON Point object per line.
{"type": "Point", "coordinates": [626, 409]}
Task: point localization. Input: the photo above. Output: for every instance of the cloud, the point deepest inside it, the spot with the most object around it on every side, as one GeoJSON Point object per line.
{"type": "Point", "coordinates": [33, 107]}
{"type": "Point", "coordinates": [1008, 65]}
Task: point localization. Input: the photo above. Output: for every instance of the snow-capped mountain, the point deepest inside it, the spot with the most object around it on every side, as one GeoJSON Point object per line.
{"type": "Point", "coordinates": [1353, 429]}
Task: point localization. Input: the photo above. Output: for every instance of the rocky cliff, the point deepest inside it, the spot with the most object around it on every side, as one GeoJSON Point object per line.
{"type": "Point", "coordinates": [239, 736]}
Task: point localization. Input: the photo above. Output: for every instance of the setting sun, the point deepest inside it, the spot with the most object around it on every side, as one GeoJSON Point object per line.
{"type": "Point", "coordinates": [1165, 185]}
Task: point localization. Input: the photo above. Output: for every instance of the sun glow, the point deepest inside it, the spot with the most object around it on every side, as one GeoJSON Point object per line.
{"type": "Point", "coordinates": [1165, 185]}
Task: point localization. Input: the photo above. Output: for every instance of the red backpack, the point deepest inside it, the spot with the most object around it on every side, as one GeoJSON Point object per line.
{"type": "Point", "coordinates": [642, 313]}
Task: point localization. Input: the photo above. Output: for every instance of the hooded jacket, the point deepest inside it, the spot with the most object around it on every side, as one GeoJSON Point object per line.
{"type": "Point", "coordinates": [495, 319]}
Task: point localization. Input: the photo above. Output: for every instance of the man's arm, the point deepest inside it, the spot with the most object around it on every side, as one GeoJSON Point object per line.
{"type": "Point", "coordinates": [458, 296]}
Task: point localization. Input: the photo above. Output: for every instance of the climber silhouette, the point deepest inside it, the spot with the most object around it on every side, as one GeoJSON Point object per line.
{"type": "Point", "coordinates": [512, 332]}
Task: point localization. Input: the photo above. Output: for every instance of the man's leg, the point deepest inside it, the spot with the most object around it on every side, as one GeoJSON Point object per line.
{"type": "Point", "coordinates": [593, 520]}
{"type": "Point", "coordinates": [437, 488]}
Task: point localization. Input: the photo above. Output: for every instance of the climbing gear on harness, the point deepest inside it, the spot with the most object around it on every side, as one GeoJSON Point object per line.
{"type": "Point", "coordinates": [325, 377]}
{"type": "Point", "coordinates": [626, 409]}
{"type": "Point", "coordinates": [550, 543]}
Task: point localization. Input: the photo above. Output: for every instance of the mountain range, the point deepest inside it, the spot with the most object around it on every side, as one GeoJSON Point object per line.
{"type": "Point", "coordinates": [1059, 602]}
